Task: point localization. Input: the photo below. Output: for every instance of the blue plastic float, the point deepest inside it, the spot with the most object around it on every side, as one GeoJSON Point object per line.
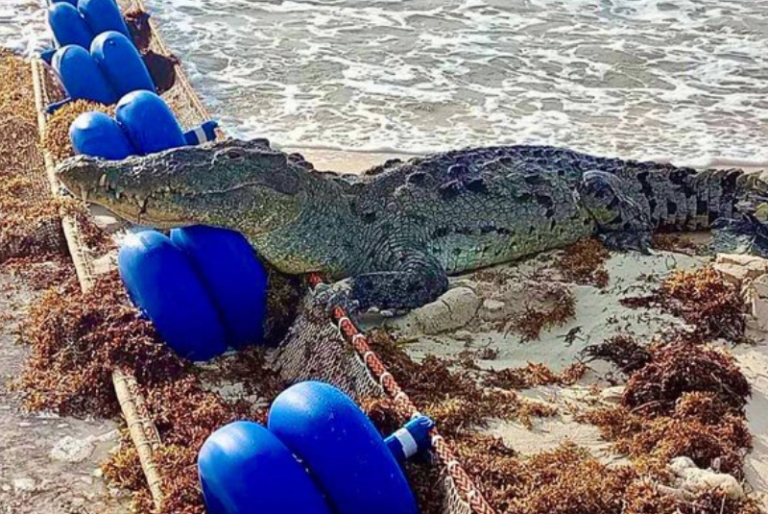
{"type": "Point", "coordinates": [73, 2]}
{"type": "Point", "coordinates": [68, 26]}
{"type": "Point", "coordinates": [98, 135]}
{"type": "Point", "coordinates": [120, 63]}
{"type": "Point", "coordinates": [102, 16]}
{"type": "Point", "coordinates": [162, 283]}
{"type": "Point", "coordinates": [81, 77]}
{"type": "Point", "coordinates": [234, 278]}
{"type": "Point", "coordinates": [245, 469]}
{"type": "Point", "coordinates": [342, 450]}
{"type": "Point", "coordinates": [149, 123]}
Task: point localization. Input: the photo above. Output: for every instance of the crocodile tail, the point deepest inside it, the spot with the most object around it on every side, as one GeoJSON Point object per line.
{"type": "Point", "coordinates": [683, 199]}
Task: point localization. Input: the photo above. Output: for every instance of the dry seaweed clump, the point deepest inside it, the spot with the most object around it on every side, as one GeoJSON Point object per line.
{"type": "Point", "coordinates": [679, 368]}
{"type": "Point", "coordinates": [558, 306]}
{"type": "Point", "coordinates": [621, 350]}
{"type": "Point", "coordinates": [77, 341]}
{"type": "Point", "coordinates": [185, 415]}
{"type": "Point", "coordinates": [654, 442]}
{"type": "Point", "coordinates": [56, 137]}
{"type": "Point", "coordinates": [566, 480]}
{"type": "Point", "coordinates": [41, 271]}
{"type": "Point", "coordinates": [688, 400]}
{"type": "Point", "coordinates": [584, 263]}
{"type": "Point", "coordinates": [704, 299]}
{"type": "Point", "coordinates": [534, 375]}
{"type": "Point", "coordinates": [453, 398]}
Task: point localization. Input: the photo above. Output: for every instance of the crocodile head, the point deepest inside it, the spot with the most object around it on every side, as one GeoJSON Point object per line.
{"type": "Point", "coordinates": [240, 185]}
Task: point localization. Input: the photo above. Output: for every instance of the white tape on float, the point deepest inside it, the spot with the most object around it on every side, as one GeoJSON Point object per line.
{"type": "Point", "coordinates": [200, 135]}
{"type": "Point", "coordinates": [406, 440]}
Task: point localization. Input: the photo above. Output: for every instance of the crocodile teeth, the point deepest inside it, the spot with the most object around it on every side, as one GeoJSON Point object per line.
{"type": "Point", "coordinates": [84, 194]}
{"type": "Point", "coordinates": [103, 180]}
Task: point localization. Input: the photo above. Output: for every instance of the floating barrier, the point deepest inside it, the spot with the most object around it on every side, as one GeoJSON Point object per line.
{"type": "Point", "coordinates": [102, 16]}
{"type": "Point", "coordinates": [121, 63]}
{"type": "Point", "coordinates": [458, 486]}
{"type": "Point", "coordinates": [245, 469]}
{"type": "Point", "coordinates": [149, 123]}
{"type": "Point", "coordinates": [342, 450]}
{"type": "Point", "coordinates": [235, 279]}
{"type": "Point", "coordinates": [162, 283]}
{"type": "Point", "coordinates": [81, 76]}
{"type": "Point", "coordinates": [98, 135]}
{"type": "Point", "coordinates": [68, 25]}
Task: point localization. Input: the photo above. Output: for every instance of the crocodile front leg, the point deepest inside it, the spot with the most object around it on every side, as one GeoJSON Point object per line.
{"type": "Point", "coordinates": [623, 223]}
{"type": "Point", "coordinates": [416, 280]}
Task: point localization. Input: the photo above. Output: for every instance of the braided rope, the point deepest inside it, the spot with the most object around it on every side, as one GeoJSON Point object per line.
{"type": "Point", "coordinates": [405, 406]}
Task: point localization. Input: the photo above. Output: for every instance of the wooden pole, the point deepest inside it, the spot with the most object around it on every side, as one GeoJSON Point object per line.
{"type": "Point", "coordinates": [143, 432]}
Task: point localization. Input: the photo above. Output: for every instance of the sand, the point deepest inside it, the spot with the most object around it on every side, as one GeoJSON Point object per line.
{"type": "Point", "coordinates": [599, 316]}
{"type": "Point", "coordinates": [345, 162]}
{"type": "Point", "coordinates": [357, 162]}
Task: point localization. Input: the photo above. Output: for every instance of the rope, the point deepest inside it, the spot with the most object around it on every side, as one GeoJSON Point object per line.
{"type": "Point", "coordinates": [405, 406]}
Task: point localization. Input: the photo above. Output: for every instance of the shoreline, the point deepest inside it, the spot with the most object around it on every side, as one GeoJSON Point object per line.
{"type": "Point", "coordinates": [347, 161]}
{"type": "Point", "coordinates": [343, 161]}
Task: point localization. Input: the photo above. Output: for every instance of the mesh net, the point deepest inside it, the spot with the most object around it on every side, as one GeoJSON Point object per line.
{"type": "Point", "coordinates": [30, 223]}
{"type": "Point", "coordinates": [313, 349]}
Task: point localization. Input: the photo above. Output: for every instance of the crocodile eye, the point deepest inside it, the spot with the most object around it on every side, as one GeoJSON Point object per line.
{"type": "Point", "coordinates": [234, 153]}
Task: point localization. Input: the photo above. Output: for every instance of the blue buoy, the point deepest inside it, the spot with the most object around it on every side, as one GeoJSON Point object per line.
{"type": "Point", "coordinates": [244, 469]}
{"type": "Point", "coordinates": [121, 63]}
{"type": "Point", "coordinates": [149, 123]}
{"type": "Point", "coordinates": [162, 283]}
{"type": "Point", "coordinates": [73, 2]}
{"type": "Point", "coordinates": [342, 450]}
{"type": "Point", "coordinates": [103, 15]}
{"type": "Point", "coordinates": [68, 26]}
{"type": "Point", "coordinates": [80, 75]}
{"type": "Point", "coordinates": [98, 135]}
{"type": "Point", "coordinates": [235, 279]}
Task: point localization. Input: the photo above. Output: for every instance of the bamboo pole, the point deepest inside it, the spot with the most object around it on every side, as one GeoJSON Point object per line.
{"type": "Point", "coordinates": [143, 433]}
{"type": "Point", "coordinates": [134, 410]}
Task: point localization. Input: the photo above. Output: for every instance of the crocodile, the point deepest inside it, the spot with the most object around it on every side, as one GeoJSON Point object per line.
{"type": "Point", "coordinates": [389, 238]}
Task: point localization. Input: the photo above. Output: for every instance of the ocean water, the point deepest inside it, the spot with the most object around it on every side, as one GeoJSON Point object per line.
{"type": "Point", "coordinates": [685, 80]}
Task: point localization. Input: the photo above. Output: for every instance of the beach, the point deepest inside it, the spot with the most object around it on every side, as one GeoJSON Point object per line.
{"type": "Point", "coordinates": [351, 84]}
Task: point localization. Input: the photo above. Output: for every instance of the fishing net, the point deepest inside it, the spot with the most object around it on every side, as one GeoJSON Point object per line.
{"type": "Point", "coordinates": [29, 221]}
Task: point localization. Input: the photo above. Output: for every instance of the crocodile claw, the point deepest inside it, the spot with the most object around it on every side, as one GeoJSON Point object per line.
{"type": "Point", "coordinates": [339, 294]}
